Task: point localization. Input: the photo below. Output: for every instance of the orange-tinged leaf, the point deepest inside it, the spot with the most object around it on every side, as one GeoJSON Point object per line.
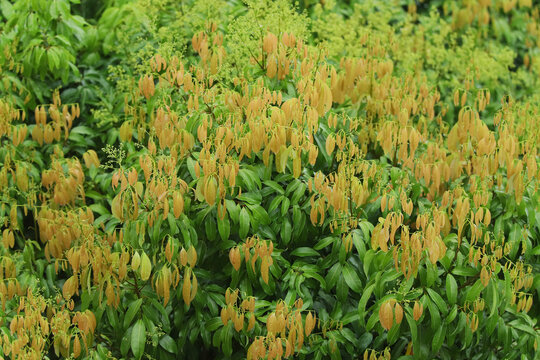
{"type": "Point", "coordinates": [264, 269]}
{"type": "Point", "coordinates": [235, 258]}
{"type": "Point", "coordinates": [117, 207]}
{"type": "Point", "coordinates": [224, 316]}
{"type": "Point", "coordinates": [183, 257]}
{"type": "Point", "coordinates": [310, 324]}
{"type": "Point", "coordinates": [271, 323]}
{"type": "Point", "coordinates": [386, 315]}
{"type": "Point", "coordinates": [192, 256]}
{"type": "Point", "coordinates": [178, 204]}
{"type": "Point", "coordinates": [398, 312]}
{"type": "Point", "coordinates": [210, 191]}
{"type": "Point", "coordinates": [186, 287]}
{"type": "Point", "coordinates": [76, 347]}
{"type": "Point", "coordinates": [418, 309]}
{"type": "Point", "coordinates": [69, 288]}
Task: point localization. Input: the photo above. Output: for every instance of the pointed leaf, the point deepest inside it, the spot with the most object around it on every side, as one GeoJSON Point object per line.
{"type": "Point", "coordinates": [138, 339]}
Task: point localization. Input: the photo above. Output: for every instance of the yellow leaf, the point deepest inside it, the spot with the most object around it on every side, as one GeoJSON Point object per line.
{"type": "Point", "coordinates": [146, 267]}
{"type": "Point", "coordinates": [136, 261]}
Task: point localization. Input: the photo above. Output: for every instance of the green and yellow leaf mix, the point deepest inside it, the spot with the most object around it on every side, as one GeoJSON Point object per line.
{"type": "Point", "coordinates": [268, 179]}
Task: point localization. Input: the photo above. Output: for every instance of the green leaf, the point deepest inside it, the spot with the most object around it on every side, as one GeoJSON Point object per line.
{"type": "Point", "coordinates": [352, 279]}
{"type": "Point", "coordinates": [452, 315]}
{"type": "Point", "coordinates": [308, 273]}
{"type": "Point", "coordinates": [474, 291]}
{"type": "Point", "coordinates": [100, 209]}
{"type": "Point", "coordinates": [224, 227]}
{"type": "Point", "coordinates": [213, 324]}
{"type": "Point", "coordinates": [275, 203]}
{"type": "Point", "coordinates": [259, 214]}
{"type": "Point", "coordinates": [126, 342]}
{"type": "Point", "coordinates": [138, 339]}
{"type": "Point", "coordinates": [438, 338]}
{"type": "Point", "coordinates": [464, 271]}
{"type": "Point", "coordinates": [324, 242]}
{"type": "Point", "coordinates": [368, 258]}
{"type": "Point", "coordinates": [304, 252]}
{"type": "Point", "coordinates": [342, 290]}
{"type": "Point", "coordinates": [244, 223]}
{"type": "Point", "coordinates": [7, 9]}
{"type": "Point", "coordinates": [363, 302]}
{"type": "Point", "coordinates": [333, 276]}
{"type": "Point", "coordinates": [168, 344]}
{"type": "Point", "coordinates": [524, 327]}
{"type": "Point", "coordinates": [299, 192]}
{"type": "Point", "coordinates": [364, 341]}
{"type": "Point", "coordinates": [435, 315]}
{"type": "Point", "coordinates": [286, 231]}
{"type": "Point", "coordinates": [285, 203]}
{"type": "Point", "coordinates": [393, 334]}
{"type": "Point", "coordinates": [53, 59]}
{"type": "Point", "coordinates": [133, 308]}
{"type": "Point", "coordinates": [275, 186]}
{"type": "Point", "coordinates": [438, 300]}
{"type": "Point", "coordinates": [451, 289]}
{"type": "Point", "coordinates": [226, 339]}
{"type": "Point", "coordinates": [252, 198]}
{"type": "Point", "coordinates": [250, 179]}
{"type": "Point", "coordinates": [412, 327]}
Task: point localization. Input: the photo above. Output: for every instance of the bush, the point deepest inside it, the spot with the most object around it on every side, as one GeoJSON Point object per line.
{"type": "Point", "coordinates": [267, 180]}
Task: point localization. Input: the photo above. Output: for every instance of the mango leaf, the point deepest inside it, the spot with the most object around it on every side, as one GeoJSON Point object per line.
{"type": "Point", "coordinates": [474, 291]}
{"type": "Point", "coordinates": [286, 231]}
{"type": "Point", "coordinates": [352, 279]}
{"type": "Point", "coordinates": [451, 289]}
{"type": "Point", "coordinates": [464, 271]}
{"type": "Point", "coordinates": [363, 302]}
{"type": "Point", "coordinates": [244, 223]}
{"type": "Point", "coordinates": [438, 338]}
{"type": "Point", "coordinates": [224, 227]}
{"type": "Point", "coordinates": [441, 304]}
{"type": "Point", "coordinates": [259, 214]}
{"type": "Point", "coordinates": [138, 339]}
{"type": "Point", "coordinates": [333, 276]}
{"type": "Point", "coordinates": [275, 186]}
{"type": "Point", "coordinates": [435, 314]}
{"type": "Point", "coordinates": [304, 252]}
{"type": "Point", "coordinates": [168, 344]}
{"type": "Point", "coordinates": [133, 308]}
{"type": "Point", "coordinates": [324, 242]}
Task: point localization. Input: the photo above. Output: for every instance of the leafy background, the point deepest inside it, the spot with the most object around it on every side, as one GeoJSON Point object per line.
{"type": "Point", "coordinates": [122, 226]}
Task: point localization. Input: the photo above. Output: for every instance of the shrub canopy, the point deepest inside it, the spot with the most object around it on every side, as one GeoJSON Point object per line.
{"type": "Point", "coordinates": [267, 179]}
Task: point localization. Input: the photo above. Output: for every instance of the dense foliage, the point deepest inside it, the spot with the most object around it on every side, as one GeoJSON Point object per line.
{"type": "Point", "coordinates": [267, 179]}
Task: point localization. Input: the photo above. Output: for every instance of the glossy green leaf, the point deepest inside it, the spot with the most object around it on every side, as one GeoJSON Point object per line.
{"type": "Point", "coordinates": [138, 339]}
{"type": "Point", "coordinates": [352, 279]}
{"type": "Point", "coordinates": [132, 310]}
{"type": "Point", "coordinates": [451, 289]}
{"type": "Point", "coordinates": [304, 252]}
{"type": "Point", "coordinates": [438, 338]}
{"type": "Point", "coordinates": [244, 221]}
